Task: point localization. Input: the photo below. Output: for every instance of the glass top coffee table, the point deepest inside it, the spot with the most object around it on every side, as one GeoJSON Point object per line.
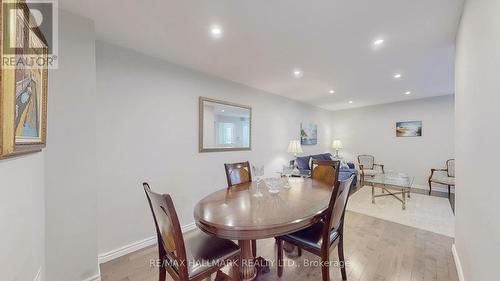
{"type": "Point", "coordinates": [389, 182]}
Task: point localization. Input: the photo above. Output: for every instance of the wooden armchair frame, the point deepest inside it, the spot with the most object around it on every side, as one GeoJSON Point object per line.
{"type": "Point", "coordinates": [431, 180]}
{"type": "Point", "coordinates": [362, 168]}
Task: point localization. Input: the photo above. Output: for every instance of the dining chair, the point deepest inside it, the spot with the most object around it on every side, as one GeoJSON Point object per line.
{"type": "Point", "coordinates": [193, 256]}
{"type": "Point", "coordinates": [330, 228]}
{"type": "Point", "coordinates": [447, 178]}
{"type": "Point", "coordinates": [238, 173]}
{"type": "Point", "coordinates": [367, 166]}
{"type": "Point", "coordinates": [326, 171]}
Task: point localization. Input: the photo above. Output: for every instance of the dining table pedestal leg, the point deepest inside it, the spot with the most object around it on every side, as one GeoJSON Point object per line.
{"type": "Point", "coordinates": [248, 271]}
{"type": "Point", "coordinates": [250, 267]}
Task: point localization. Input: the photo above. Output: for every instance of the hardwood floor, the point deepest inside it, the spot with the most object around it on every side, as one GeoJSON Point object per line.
{"type": "Point", "coordinates": [375, 250]}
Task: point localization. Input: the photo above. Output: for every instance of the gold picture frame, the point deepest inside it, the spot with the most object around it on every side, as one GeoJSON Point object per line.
{"type": "Point", "coordinates": [23, 90]}
{"type": "Point", "coordinates": [201, 130]}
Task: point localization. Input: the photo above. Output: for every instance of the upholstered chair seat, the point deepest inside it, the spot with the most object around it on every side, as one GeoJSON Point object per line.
{"type": "Point", "coordinates": [443, 179]}
{"type": "Point", "coordinates": [371, 172]}
{"type": "Point", "coordinates": [310, 237]}
{"type": "Point", "coordinates": [204, 251]}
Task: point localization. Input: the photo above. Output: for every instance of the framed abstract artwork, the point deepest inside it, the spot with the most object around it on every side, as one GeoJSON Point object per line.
{"type": "Point", "coordinates": [308, 134]}
{"type": "Point", "coordinates": [23, 87]}
{"type": "Point", "coordinates": [409, 129]}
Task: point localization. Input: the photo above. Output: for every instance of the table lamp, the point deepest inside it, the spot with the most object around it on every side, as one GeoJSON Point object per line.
{"type": "Point", "coordinates": [294, 147]}
{"type": "Point", "coordinates": [337, 145]}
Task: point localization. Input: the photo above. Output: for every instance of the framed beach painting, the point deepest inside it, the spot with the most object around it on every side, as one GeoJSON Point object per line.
{"type": "Point", "coordinates": [409, 129]}
{"type": "Point", "coordinates": [308, 134]}
{"type": "Point", "coordinates": [23, 88]}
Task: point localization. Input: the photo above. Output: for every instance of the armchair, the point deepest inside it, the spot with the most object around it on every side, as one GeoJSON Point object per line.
{"type": "Point", "coordinates": [443, 176]}
{"type": "Point", "coordinates": [367, 166]}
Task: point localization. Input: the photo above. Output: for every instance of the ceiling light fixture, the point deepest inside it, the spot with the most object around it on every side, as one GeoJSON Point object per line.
{"type": "Point", "coordinates": [216, 31]}
{"type": "Point", "coordinates": [378, 42]}
{"type": "Point", "coordinates": [397, 75]}
{"type": "Point", "coordinates": [297, 73]}
{"type": "Point", "coordinates": [408, 93]}
{"type": "Point", "coordinates": [350, 102]}
{"type": "Point", "coordinates": [331, 92]}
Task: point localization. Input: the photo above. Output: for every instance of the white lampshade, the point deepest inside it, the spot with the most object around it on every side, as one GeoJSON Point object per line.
{"type": "Point", "coordinates": [337, 144]}
{"type": "Point", "coordinates": [294, 147]}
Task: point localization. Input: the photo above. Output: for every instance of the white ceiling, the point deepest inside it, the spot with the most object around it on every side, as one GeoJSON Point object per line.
{"type": "Point", "coordinates": [264, 40]}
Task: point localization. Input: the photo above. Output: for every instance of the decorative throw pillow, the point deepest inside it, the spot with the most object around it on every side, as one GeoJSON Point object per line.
{"type": "Point", "coordinates": [327, 156]}
{"type": "Point", "coordinates": [303, 162]}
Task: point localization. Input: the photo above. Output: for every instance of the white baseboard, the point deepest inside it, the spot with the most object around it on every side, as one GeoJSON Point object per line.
{"type": "Point", "coordinates": [457, 263]}
{"type": "Point", "coordinates": [439, 188]}
{"type": "Point", "coordinates": [188, 227]}
{"type": "Point", "coordinates": [127, 249]}
{"type": "Point", "coordinates": [93, 278]}
{"type": "Point", "coordinates": [132, 247]}
{"type": "Point", "coordinates": [38, 276]}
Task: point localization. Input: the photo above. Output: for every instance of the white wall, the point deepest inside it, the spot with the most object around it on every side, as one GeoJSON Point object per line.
{"type": "Point", "coordinates": [477, 234]}
{"type": "Point", "coordinates": [372, 130]}
{"type": "Point", "coordinates": [70, 156]}
{"type": "Point", "coordinates": [148, 131]}
{"type": "Point", "coordinates": [22, 217]}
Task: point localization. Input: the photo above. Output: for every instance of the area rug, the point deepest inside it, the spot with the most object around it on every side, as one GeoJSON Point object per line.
{"type": "Point", "coordinates": [422, 211]}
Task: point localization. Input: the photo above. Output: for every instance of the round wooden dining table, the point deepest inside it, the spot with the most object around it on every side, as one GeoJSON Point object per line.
{"type": "Point", "coordinates": [238, 213]}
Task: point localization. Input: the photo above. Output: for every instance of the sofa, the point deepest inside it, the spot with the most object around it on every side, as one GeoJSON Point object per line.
{"type": "Point", "coordinates": [303, 162]}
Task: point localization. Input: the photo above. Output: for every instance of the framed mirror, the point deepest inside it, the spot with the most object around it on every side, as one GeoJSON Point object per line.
{"type": "Point", "coordinates": [224, 126]}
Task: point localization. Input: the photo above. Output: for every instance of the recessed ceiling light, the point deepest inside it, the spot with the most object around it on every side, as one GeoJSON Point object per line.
{"type": "Point", "coordinates": [350, 102]}
{"type": "Point", "coordinates": [297, 73]}
{"type": "Point", "coordinates": [378, 42]}
{"type": "Point", "coordinates": [408, 93]}
{"type": "Point", "coordinates": [397, 75]}
{"type": "Point", "coordinates": [331, 92]}
{"type": "Point", "coordinates": [216, 31]}
{"type": "Point", "coordinates": [222, 110]}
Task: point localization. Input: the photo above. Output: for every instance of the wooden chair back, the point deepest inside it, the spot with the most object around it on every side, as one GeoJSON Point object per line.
{"type": "Point", "coordinates": [326, 171]}
{"type": "Point", "coordinates": [367, 161]}
{"type": "Point", "coordinates": [337, 206]}
{"type": "Point", "coordinates": [238, 173]}
{"type": "Point", "coordinates": [170, 240]}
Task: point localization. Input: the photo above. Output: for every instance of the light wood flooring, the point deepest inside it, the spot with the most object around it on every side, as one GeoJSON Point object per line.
{"type": "Point", "coordinates": [376, 250]}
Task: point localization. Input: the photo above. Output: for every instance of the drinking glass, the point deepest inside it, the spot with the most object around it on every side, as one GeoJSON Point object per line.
{"type": "Point", "coordinates": [258, 173]}
{"type": "Point", "coordinates": [287, 172]}
{"type": "Point", "coordinates": [273, 184]}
